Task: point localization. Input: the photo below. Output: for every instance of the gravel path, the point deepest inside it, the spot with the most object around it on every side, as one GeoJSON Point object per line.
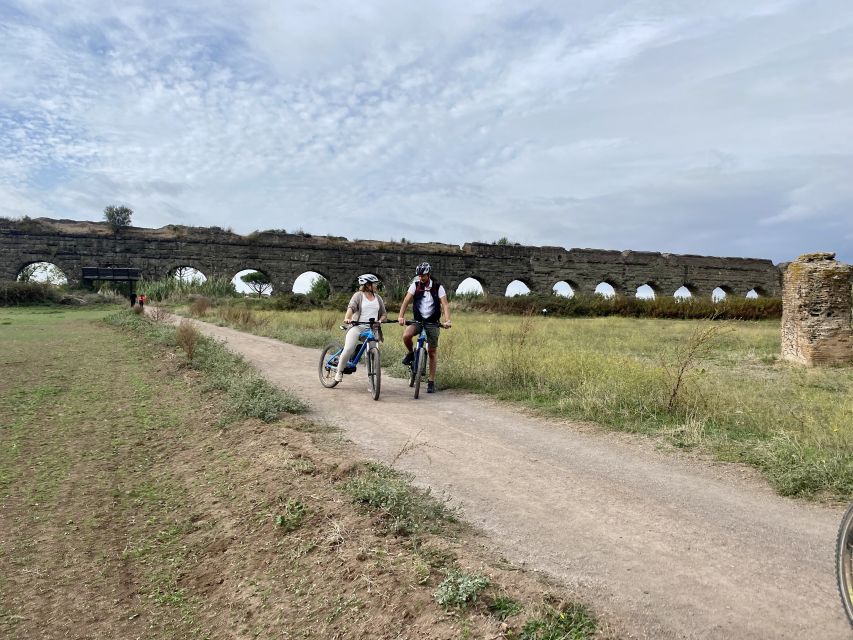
{"type": "Point", "coordinates": [668, 546]}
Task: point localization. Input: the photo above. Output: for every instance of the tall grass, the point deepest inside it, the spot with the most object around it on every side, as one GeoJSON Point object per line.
{"type": "Point", "coordinates": [177, 290]}
{"type": "Point", "coordinates": [736, 399]}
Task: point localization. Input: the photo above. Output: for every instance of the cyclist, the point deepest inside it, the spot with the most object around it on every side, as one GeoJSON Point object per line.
{"type": "Point", "coordinates": [364, 305]}
{"type": "Point", "coordinates": [430, 299]}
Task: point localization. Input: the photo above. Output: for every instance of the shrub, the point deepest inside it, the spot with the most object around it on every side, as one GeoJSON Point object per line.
{"type": "Point", "coordinates": [24, 293]}
{"type": "Point", "coordinates": [580, 305]}
{"type": "Point", "coordinates": [187, 338]}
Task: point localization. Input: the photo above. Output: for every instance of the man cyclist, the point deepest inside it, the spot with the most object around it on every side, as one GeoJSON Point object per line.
{"type": "Point", "coordinates": [430, 299]}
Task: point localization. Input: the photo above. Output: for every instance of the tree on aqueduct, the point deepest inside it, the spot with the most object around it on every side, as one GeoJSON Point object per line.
{"type": "Point", "coordinates": [118, 217]}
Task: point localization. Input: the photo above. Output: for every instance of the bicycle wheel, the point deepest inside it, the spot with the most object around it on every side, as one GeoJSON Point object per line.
{"type": "Point", "coordinates": [374, 372]}
{"type": "Point", "coordinates": [328, 364]}
{"type": "Point", "coordinates": [420, 369]}
{"type": "Point", "coordinates": [844, 562]}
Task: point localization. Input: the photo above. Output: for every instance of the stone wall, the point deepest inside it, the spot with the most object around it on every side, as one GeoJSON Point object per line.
{"type": "Point", "coordinates": [816, 311]}
{"type": "Point", "coordinates": [283, 257]}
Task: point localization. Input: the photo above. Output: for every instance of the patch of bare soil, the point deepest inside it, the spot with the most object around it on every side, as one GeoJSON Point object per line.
{"type": "Point", "coordinates": [128, 513]}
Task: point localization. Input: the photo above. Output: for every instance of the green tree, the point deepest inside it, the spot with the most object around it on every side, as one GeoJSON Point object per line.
{"type": "Point", "coordinates": [320, 289]}
{"type": "Point", "coordinates": [257, 282]}
{"type": "Point", "coordinates": [118, 217]}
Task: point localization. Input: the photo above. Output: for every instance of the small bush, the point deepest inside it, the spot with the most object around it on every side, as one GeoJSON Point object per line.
{"type": "Point", "coordinates": [157, 314]}
{"type": "Point", "coordinates": [459, 589]}
{"type": "Point", "coordinates": [187, 338]}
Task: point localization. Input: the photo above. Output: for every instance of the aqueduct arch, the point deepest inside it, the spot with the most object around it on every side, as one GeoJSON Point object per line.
{"type": "Point", "coordinates": [72, 245]}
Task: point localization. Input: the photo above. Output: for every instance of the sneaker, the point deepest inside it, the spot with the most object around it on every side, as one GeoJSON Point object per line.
{"type": "Point", "coordinates": [430, 386]}
{"type": "Point", "coordinates": [410, 357]}
{"type": "Point", "coordinates": [338, 376]}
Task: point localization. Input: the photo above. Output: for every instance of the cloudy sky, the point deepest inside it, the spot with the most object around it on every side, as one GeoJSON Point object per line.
{"type": "Point", "coordinates": [721, 127]}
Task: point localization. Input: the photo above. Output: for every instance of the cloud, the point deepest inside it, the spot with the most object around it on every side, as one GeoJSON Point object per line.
{"type": "Point", "coordinates": [639, 125]}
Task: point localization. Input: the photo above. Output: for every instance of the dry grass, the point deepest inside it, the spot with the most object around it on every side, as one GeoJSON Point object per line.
{"type": "Point", "coordinates": [734, 396]}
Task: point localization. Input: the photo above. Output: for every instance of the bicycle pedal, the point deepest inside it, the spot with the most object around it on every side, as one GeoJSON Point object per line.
{"type": "Point", "coordinates": [349, 370]}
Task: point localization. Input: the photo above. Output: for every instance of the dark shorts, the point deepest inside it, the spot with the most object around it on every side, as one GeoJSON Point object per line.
{"type": "Point", "coordinates": [432, 335]}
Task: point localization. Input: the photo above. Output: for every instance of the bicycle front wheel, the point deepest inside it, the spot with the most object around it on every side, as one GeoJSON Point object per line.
{"type": "Point", "coordinates": [420, 369]}
{"type": "Point", "coordinates": [844, 562]}
{"type": "Point", "coordinates": [374, 372]}
{"type": "Point", "coordinates": [329, 364]}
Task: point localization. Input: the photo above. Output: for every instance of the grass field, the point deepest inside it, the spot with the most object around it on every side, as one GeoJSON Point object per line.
{"type": "Point", "coordinates": [134, 503]}
{"type": "Point", "coordinates": [736, 398]}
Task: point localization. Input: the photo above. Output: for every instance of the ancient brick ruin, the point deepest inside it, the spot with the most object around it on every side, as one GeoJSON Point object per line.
{"type": "Point", "coordinates": [283, 257]}
{"type": "Point", "coordinates": [816, 311]}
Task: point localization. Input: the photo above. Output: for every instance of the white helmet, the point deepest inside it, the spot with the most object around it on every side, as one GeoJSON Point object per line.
{"type": "Point", "coordinates": [364, 278]}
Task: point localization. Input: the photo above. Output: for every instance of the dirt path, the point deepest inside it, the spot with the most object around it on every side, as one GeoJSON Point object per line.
{"type": "Point", "coordinates": [671, 547]}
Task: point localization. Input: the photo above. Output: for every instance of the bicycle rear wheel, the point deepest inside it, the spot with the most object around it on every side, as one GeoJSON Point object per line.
{"type": "Point", "coordinates": [328, 364]}
{"type": "Point", "coordinates": [844, 562]}
{"type": "Point", "coordinates": [374, 372]}
{"type": "Point", "coordinates": [419, 369]}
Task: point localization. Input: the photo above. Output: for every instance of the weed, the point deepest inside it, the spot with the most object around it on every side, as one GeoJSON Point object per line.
{"type": "Point", "coordinates": [459, 589]}
{"type": "Point", "coordinates": [503, 607]}
{"type": "Point", "coordinates": [292, 515]}
{"type": "Point", "coordinates": [251, 396]}
{"type": "Point", "coordinates": [405, 508]}
{"type": "Point", "coordinates": [573, 622]}
{"type": "Point", "coordinates": [697, 346]}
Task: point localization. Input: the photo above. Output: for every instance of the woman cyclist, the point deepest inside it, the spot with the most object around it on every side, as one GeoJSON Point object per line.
{"type": "Point", "coordinates": [364, 305]}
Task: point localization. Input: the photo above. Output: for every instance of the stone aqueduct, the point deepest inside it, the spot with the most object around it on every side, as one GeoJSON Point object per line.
{"type": "Point", "coordinates": [283, 257]}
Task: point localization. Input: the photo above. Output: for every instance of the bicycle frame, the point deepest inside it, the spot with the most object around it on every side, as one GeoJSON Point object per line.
{"type": "Point", "coordinates": [367, 336]}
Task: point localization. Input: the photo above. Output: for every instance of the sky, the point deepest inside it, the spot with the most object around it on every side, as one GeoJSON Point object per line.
{"type": "Point", "coordinates": [717, 128]}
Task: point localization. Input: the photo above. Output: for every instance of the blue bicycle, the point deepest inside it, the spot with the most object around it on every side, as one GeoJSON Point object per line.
{"type": "Point", "coordinates": [369, 345]}
{"type": "Point", "coordinates": [421, 354]}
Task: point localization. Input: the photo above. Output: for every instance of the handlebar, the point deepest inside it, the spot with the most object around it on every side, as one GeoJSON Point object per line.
{"type": "Point", "coordinates": [440, 325]}
{"type": "Point", "coordinates": [368, 323]}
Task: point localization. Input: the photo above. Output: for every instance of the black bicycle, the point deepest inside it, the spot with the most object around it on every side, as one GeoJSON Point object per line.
{"type": "Point", "coordinates": [369, 344]}
{"type": "Point", "coordinates": [420, 359]}
{"type": "Point", "coordinates": [844, 562]}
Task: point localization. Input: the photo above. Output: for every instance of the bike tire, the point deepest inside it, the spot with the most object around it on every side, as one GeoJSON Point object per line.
{"type": "Point", "coordinates": [327, 373]}
{"type": "Point", "coordinates": [419, 369]}
{"type": "Point", "coordinates": [844, 562]}
{"type": "Point", "coordinates": [374, 372]}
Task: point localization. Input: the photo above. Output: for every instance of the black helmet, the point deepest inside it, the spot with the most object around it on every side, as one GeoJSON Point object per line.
{"type": "Point", "coordinates": [422, 268]}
